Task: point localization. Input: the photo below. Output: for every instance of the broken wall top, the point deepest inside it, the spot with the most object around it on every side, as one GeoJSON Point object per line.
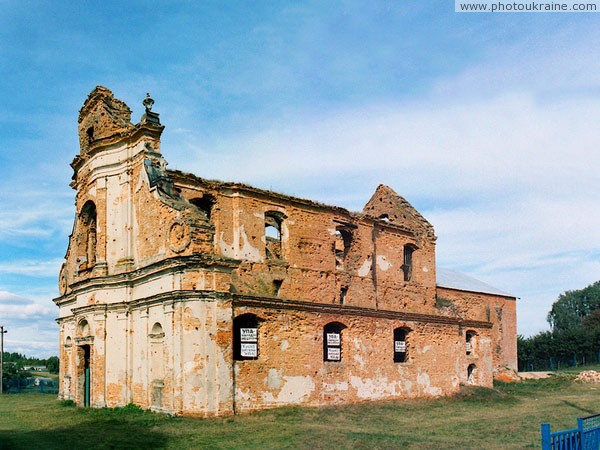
{"type": "Point", "coordinates": [102, 116]}
{"type": "Point", "coordinates": [387, 205]}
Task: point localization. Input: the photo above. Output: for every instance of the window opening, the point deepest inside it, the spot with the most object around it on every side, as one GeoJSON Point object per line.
{"type": "Point", "coordinates": [408, 262]}
{"type": "Point", "coordinates": [400, 347]}
{"type": "Point", "coordinates": [343, 240]}
{"type": "Point", "coordinates": [343, 292]}
{"type": "Point", "coordinates": [90, 134]}
{"type": "Point", "coordinates": [204, 204]}
{"type": "Point", "coordinates": [273, 239]}
{"type": "Point", "coordinates": [469, 341]}
{"type": "Point", "coordinates": [332, 341]}
{"type": "Point", "coordinates": [276, 287]}
{"type": "Point", "coordinates": [245, 337]}
{"type": "Point", "coordinates": [471, 373]}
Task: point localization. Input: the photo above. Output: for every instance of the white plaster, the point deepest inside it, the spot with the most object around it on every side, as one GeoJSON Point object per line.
{"type": "Point", "coordinates": [373, 388]}
{"type": "Point", "coordinates": [359, 360]}
{"type": "Point", "coordinates": [284, 345]}
{"type": "Point", "coordinates": [426, 348]}
{"type": "Point", "coordinates": [425, 269]}
{"type": "Point", "coordinates": [226, 249]}
{"type": "Point", "coordinates": [274, 379]}
{"type": "Point", "coordinates": [295, 390]}
{"type": "Point", "coordinates": [424, 384]}
{"type": "Point", "coordinates": [247, 251]}
{"type": "Point", "coordinates": [189, 366]}
{"type": "Point", "coordinates": [333, 387]}
{"type": "Point", "coordinates": [365, 269]}
{"type": "Point", "coordinates": [383, 263]}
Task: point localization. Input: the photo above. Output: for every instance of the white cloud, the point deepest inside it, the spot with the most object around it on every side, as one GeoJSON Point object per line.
{"type": "Point", "coordinates": [32, 267]}
{"type": "Point", "coordinates": [30, 325]}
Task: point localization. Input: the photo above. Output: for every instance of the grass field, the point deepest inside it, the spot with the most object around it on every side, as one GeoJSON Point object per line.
{"type": "Point", "coordinates": [508, 416]}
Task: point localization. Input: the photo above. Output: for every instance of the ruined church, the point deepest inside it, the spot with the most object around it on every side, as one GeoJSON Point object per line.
{"type": "Point", "coordinates": [194, 296]}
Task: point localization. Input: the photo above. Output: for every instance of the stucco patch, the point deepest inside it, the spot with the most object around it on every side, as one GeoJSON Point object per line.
{"type": "Point", "coordinates": [365, 268]}
{"type": "Point", "coordinates": [294, 390]}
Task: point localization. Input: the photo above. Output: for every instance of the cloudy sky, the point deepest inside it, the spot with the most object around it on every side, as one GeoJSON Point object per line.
{"type": "Point", "coordinates": [489, 124]}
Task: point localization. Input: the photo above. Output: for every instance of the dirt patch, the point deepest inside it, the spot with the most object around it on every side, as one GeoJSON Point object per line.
{"type": "Point", "coordinates": [534, 375]}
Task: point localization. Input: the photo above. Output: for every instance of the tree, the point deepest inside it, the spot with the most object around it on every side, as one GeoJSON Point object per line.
{"type": "Point", "coordinates": [572, 307]}
{"type": "Point", "coordinates": [52, 364]}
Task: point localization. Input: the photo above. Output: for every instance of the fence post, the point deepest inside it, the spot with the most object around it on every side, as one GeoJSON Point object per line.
{"type": "Point", "coordinates": [551, 365]}
{"type": "Point", "coordinates": [575, 359]}
{"type": "Point", "coordinates": [546, 436]}
{"type": "Point", "coordinates": [581, 434]}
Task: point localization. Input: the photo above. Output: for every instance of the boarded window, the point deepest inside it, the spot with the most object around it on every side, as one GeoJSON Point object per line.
{"type": "Point", "coordinates": [245, 337]}
{"type": "Point", "coordinates": [332, 341]}
{"type": "Point", "coordinates": [400, 345]}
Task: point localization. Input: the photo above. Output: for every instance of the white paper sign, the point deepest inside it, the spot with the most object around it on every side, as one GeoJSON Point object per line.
{"type": "Point", "coordinates": [249, 351]}
{"type": "Point", "coordinates": [333, 339]}
{"type": "Point", "coordinates": [334, 354]}
{"type": "Point", "coordinates": [400, 346]}
{"type": "Point", "coordinates": [248, 334]}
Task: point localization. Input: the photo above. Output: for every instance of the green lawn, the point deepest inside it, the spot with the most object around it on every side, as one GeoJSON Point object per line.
{"type": "Point", "coordinates": [506, 417]}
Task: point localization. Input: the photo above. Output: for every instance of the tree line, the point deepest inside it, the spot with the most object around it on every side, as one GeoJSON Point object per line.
{"type": "Point", "coordinates": [16, 366]}
{"type": "Point", "coordinates": [574, 335]}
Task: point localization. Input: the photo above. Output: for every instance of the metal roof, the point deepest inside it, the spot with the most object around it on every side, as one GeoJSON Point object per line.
{"type": "Point", "coordinates": [455, 280]}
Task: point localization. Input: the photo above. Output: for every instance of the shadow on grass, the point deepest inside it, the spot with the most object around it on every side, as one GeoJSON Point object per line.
{"type": "Point", "coordinates": [579, 408]}
{"type": "Point", "coordinates": [86, 435]}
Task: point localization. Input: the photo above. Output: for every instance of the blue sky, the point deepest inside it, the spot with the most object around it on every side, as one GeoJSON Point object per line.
{"type": "Point", "coordinates": [486, 123]}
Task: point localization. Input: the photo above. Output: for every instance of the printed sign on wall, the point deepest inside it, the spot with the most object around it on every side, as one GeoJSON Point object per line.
{"type": "Point", "coordinates": [248, 334]}
{"type": "Point", "coordinates": [249, 351]}
{"type": "Point", "coordinates": [333, 339]}
{"type": "Point", "coordinates": [334, 354]}
{"type": "Point", "coordinates": [400, 346]}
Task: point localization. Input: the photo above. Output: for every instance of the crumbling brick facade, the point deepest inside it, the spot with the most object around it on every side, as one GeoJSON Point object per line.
{"type": "Point", "coordinates": [195, 296]}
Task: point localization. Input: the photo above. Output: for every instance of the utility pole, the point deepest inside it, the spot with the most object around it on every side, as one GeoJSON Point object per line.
{"type": "Point", "coordinates": [2, 331]}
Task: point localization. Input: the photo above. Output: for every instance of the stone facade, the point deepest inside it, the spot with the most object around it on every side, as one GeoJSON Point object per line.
{"type": "Point", "coordinates": [194, 296]}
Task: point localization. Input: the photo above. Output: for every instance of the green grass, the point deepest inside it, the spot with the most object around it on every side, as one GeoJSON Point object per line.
{"type": "Point", "coordinates": [508, 416]}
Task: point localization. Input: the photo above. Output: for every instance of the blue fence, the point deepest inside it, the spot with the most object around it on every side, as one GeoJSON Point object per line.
{"type": "Point", "coordinates": [585, 437]}
{"type": "Point", "coordinates": [33, 384]}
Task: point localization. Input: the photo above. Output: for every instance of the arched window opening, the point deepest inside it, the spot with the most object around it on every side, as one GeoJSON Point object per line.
{"type": "Point", "coordinates": [68, 341]}
{"type": "Point", "coordinates": [245, 337]}
{"type": "Point", "coordinates": [88, 237]}
{"type": "Point", "coordinates": [400, 345]}
{"type": "Point", "coordinates": [407, 267]}
{"type": "Point", "coordinates": [472, 374]}
{"type": "Point", "coordinates": [332, 341]}
{"type": "Point", "coordinates": [273, 235]}
{"type": "Point", "coordinates": [470, 341]}
{"type": "Point", "coordinates": [205, 204]}
{"type": "Point", "coordinates": [343, 240]}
